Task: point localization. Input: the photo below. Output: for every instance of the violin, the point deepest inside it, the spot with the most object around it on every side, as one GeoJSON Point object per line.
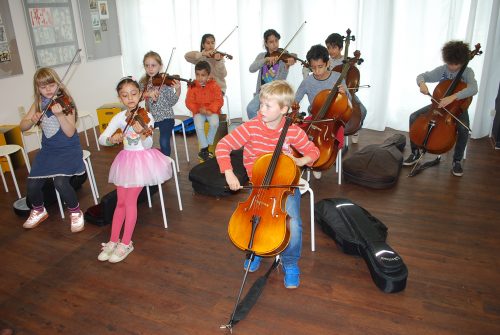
{"type": "Point", "coordinates": [352, 82]}
{"type": "Point", "coordinates": [330, 111]}
{"type": "Point", "coordinates": [436, 130]}
{"type": "Point", "coordinates": [284, 55]}
{"type": "Point", "coordinates": [65, 101]}
{"type": "Point", "coordinates": [223, 54]}
{"type": "Point", "coordinates": [161, 79]}
{"type": "Point", "coordinates": [259, 225]}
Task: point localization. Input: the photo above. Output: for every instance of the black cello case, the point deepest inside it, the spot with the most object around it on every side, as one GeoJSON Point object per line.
{"type": "Point", "coordinates": [359, 233]}
{"type": "Point", "coordinates": [376, 165]}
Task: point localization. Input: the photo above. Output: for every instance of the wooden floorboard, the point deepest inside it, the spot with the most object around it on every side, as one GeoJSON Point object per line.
{"type": "Point", "coordinates": [184, 279]}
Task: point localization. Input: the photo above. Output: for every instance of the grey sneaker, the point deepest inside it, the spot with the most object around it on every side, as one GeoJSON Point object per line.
{"type": "Point", "coordinates": [457, 169]}
{"type": "Point", "coordinates": [107, 250]}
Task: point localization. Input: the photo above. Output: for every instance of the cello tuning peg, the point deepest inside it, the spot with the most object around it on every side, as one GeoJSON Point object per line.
{"type": "Point", "coordinates": [361, 60]}
{"type": "Point", "coordinates": [353, 38]}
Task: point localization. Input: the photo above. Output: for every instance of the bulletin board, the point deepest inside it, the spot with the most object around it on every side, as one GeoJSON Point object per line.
{"type": "Point", "coordinates": [100, 28]}
{"type": "Point", "coordinates": [51, 27]}
{"type": "Point", "coordinates": [10, 62]}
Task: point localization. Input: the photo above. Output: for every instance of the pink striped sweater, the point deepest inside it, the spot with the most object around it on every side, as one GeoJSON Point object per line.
{"type": "Point", "coordinates": [257, 139]}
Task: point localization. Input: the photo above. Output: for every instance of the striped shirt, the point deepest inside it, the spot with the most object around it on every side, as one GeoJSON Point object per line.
{"type": "Point", "coordinates": [257, 139]}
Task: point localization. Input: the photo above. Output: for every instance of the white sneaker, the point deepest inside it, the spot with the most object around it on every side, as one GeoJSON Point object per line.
{"type": "Point", "coordinates": [77, 222]}
{"type": "Point", "coordinates": [354, 138]}
{"type": "Point", "coordinates": [107, 250]}
{"type": "Point", "coordinates": [121, 252]}
{"type": "Point", "coordinates": [317, 174]}
{"type": "Point", "coordinates": [35, 218]}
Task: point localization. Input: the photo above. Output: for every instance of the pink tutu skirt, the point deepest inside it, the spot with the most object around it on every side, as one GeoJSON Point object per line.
{"type": "Point", "coordinates": [140, 168]}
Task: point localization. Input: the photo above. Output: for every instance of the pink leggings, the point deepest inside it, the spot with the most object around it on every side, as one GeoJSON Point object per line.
{"type": "Point", "coordinates": [126, 210]}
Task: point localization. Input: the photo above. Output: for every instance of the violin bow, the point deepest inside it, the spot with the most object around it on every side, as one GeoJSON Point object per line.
{"type": "Point", "coordinates": [293, 37]}
{"type": "Point", "coordinates": [58, 86]}
{"type": "Point", "coordinates": [224, 40]}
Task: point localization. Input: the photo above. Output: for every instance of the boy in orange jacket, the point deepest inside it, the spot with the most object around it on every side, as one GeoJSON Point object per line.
{"type": "Point", "coordinates": [204, 100]}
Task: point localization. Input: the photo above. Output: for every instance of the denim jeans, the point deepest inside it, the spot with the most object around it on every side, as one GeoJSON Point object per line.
{"type": "Point", "coordinates": [291, 255]}
{"type": "Point", "coordinates": [462, 133]}
{"type": "Point", "coordinates": [253, 107]}
{"type": "Point", "coordinates": [165, 127]}
{"type": "Point", "coordinates": [199, 124]}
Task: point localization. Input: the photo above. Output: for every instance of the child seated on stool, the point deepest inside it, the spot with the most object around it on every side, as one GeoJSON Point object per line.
{"type": "Point", "coordinates": [204, 100]}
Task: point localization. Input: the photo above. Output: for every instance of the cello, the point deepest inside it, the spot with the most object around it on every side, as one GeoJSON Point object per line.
{"type": "Point", "coordinates": [259, 226]}
{"type": "Point", "coordinates": [352, 82]}
{"type": "Point", "coordinates": [330, 111]}
{"type": "Point", "coordinates": [436, 130]}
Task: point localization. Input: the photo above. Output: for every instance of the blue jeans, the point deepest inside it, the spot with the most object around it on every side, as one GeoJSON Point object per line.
{"type": "Point", "coordinates": [165, 127]}
{"type": "Point", "coordinates": [291, 255]}
{"type": "Point", "coordinates": [462, 132]}
{"type": "Point", "coordinates": [253, 106]}
{"type": "Point", "coordinates": [199, 124]}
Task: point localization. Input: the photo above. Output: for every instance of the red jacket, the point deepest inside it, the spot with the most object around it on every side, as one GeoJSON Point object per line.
{"type": "Point", "coordinates": [209, 97]}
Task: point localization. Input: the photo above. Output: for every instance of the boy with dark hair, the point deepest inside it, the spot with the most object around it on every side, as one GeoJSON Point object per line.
{"type": "Point", "coordinates": [455, 55]}
{"type": "Point", "coordinates": [204, 100]}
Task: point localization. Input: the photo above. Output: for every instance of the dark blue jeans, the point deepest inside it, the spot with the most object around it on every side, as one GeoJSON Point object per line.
{"type": "Point", "coordinates": [62, 185]}
{"type": "Point", "coordinates": [462, 133]}
{"type": "Point", "coordinates": [165, 127]}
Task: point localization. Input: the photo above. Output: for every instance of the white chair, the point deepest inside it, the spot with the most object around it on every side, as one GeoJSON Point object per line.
{"type": "Point", "coordinates": [303, 189]}
{"type": "Point", "coordinates": [83, 116]}
{"type": "Point", "coordinates": [6, 151]}
{"type": "Point", "coordinates": [160, 191]}
{"type": "Point", "coordinates": [90, 175]}
{"type": "Point", "coordinates": [226, 104]}
{"type": "Point", "coordinates": [33, 131]}
{"type": "Point", "coordinates": [91, 178]}
{"type": "Point", "coordinates": [179, 122]}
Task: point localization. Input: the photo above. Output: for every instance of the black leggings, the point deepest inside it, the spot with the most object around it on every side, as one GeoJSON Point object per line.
{"type": "Point", "coordinates": [66, 191]}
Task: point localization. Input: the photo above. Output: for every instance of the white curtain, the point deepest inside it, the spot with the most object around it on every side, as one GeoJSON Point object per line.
{"type": "Point", "coordinates": [397, 39]}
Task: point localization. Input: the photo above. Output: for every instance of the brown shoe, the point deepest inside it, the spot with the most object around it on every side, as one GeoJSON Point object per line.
{"type": "Point", "coordinates": [35, 218]}
{"type": "Point", "coordinates": [77, 222]}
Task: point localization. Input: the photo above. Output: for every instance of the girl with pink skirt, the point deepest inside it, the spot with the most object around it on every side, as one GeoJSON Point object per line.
{"type": "Point", "coordinates": [136, 166]}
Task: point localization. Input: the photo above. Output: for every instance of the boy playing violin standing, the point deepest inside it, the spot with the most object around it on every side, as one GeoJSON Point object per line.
{"type": "Point", "coordinates": [260, 136]}
{"type": "Point", "coordinates": [455, 55]}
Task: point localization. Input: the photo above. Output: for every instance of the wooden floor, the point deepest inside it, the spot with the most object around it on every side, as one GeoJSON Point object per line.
{"type": "Point", "coordinates": [184, 279]}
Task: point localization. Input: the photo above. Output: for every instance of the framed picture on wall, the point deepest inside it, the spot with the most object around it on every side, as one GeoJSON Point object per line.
{"type": "Point", "coordinates": [51, 27]}
{"type": "Point", "coordinates": [10, 62]}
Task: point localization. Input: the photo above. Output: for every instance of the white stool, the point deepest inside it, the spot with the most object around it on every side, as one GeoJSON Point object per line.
{"type": "Point", "coordinates": [304, 189]}
{"type": "Point", "coordinates": [179, 122]}
{"type": "Point", "coordinates": [160, 191]}
{"type": "Point", "coordinates": [91, 178]}
{"type": "Point", "coordinates": [82, 116]}
{"type": "Point", "coordinates": [338, 165]}
{"type": "Point", "coordinates": [6, 151]}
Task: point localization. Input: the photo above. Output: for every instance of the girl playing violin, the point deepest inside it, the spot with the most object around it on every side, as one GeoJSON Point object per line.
{"type": "Point", "coordinates": [321, 79]}
{"type": "Point", "coordinates": [260, 136]}
{"type": "Point", "coordinates": [216, 60]}
{"type": "Point", "coordinates": [455, 54]}
{"type": "Point", "coordinates": [60, 156]}
{"type": "Point", "coordinates": [160, 100]}
{"type": "Point", "coordinates": [136, 166]}
{"type": "Point", "coordinates": [270, 68]}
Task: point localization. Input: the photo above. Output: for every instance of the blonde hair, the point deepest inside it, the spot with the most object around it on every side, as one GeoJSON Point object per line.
{"type": "Point", "coordinates": [150, 54]}
{"type": "Point", "coordinates": [279, 90]}
{"type": "Point", "coordinates": [45, 76]}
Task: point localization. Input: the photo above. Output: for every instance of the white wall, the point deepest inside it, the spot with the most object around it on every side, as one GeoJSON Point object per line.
{"type": "Point", "coordinates": [91, 83]}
